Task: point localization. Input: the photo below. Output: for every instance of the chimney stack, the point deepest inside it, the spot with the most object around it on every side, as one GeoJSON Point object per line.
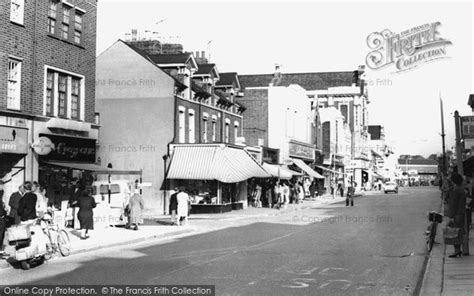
{"type": "Point", "coordinates": [203, 54]}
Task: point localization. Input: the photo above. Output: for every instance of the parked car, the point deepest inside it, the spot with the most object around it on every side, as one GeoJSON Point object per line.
{"type": "Point", "coordinates": [390, 187]}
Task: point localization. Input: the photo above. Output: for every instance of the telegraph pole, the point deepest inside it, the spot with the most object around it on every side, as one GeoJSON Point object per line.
{"type": "Point", "coordinates": [443, 135]}
{"type": "Point", "coordinates": [458, 143]}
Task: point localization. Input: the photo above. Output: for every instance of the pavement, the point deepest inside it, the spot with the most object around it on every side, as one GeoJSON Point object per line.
{"type": "Point", "coordinates": [157, 227]}
{"type": "Point", "coordinates": [449, 276]}
{"type": "Point", "coordinates": [376, 247]}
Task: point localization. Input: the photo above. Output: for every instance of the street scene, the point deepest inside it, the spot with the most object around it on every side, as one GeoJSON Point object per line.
{"type": "Point", "coordinates": [236, 148]}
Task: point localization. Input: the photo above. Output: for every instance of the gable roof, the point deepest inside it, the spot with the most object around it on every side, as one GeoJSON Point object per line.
{"type": "Point", "coordinates": [228, 79]}
{"type": "Point", "coordinates": [205, 69]}
{"type": "Point", "coordinates": [144, 55]}
{"type": "Point", "coordinates": [175, 58]}
{"type": "Point", "coordinates": [309, 81]}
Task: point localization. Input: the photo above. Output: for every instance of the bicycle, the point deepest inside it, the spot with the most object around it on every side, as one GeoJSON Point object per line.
{"type": "Point", "coordinates": [58, 238]}
{"type": "Point", "coordinates": [435, 219]}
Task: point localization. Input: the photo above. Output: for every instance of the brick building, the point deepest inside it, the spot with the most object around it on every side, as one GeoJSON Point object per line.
{"type": "Point", "coordinates": [47, 57]}
{"type": "Point", "coordinates": [191, 126]}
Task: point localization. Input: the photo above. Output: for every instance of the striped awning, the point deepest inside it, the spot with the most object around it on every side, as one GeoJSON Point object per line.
{"type": "Point", "coordinates": [299, 163]}
{"type": "Point", "coordinates": [214, 162]}
{"type": "Point", "coordinates": [279, 171]}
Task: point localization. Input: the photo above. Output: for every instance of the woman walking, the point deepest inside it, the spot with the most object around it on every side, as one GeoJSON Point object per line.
{"type": "Point", "coordinates": [182, 198]}
{"type": "Point", "coordinates": [86, 216]}
{"type": "Point", "coordinates": [136, 206]}
{"type": "Point", "coordinates": [457, 211]}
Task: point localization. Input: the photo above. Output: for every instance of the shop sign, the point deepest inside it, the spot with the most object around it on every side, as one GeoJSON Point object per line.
{"type": "Point", "coordinates": [301, 151]}
{"type": "Point", "coordinates": [70, 149]}
{"type": "Point", "coordinates": [13, 140]}
{"type": "Point", "coordinates": [43, 146]}
{"type": "Point", "coordinates": [467, 123]}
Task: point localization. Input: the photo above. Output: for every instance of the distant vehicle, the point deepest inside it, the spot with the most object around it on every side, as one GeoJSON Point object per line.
{"type": "Point", "coordinates": [390, 187]}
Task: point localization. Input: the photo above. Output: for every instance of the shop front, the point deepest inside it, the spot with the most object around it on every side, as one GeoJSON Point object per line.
{"type": "Point", "coordinates": [13, 151]}
{"type": "Point", "coordinates": [214, 175]}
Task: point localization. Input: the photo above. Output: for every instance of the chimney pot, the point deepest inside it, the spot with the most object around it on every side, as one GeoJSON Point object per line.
{"type": "Point", "coordinates": [203, 54]}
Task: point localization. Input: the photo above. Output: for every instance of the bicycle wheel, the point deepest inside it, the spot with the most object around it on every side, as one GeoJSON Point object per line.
{"type": "Point", "coordinates": [64, 244]}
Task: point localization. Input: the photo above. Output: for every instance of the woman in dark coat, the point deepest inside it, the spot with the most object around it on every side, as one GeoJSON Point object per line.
{"type": "Point", "coordinates": [457, 210]}
{"type": "Point", "coordinates": [27, 204]}
{"type": "Point", "coordinates": [86, 204]}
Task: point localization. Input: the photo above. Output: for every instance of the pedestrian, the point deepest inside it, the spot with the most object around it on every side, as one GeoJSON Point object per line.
{"type": "Point", "coordinates": [173, 208]}
{"type": "Point", "coordinates": [457, 211]}
{"type": "Point", "coordinates": [27, 204]}
{"type": "Point", "coordinates": [14, 202]}
{"type": "Point", "coordinates": [269, 196]}
{"type": "Point", "coordinates": [3, 218]}
{"type": "Point", "coordinates": [41, 201]}
{"type": "Point", "coordinates": [277, 195]}
{"type": "Point", "coordinates": [182, 209]}
{"type": "Point", "coordinates": [136, 206]}
{"type": "Point", "coordinates": [341, 189]}
{"type": "Point", "coordinates": [285, 195]}
{"type": "Point", "coordinates": [86, 205]}
{"type": "Point", "coordinates": [258, 195]}
{"type": "Point", "coordinates": [312, 189]}
{"type": "Point", "coordinates": [300, 192]}
{"type": "Point", "coordinates": [350, 194]}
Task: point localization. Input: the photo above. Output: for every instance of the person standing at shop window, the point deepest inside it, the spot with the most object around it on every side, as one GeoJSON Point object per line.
{"type": "Point", "coordinates": [41, 201]}
{"type": "Point", "coordinates": [14, 202]}
{"type": "Point", "coordinates": [27, 204]}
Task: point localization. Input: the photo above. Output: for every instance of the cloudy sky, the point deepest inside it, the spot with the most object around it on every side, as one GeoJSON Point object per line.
{"type": "Point", "coordinates": [313, 36]}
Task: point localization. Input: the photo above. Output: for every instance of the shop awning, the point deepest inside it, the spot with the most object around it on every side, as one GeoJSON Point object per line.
{"type": "Point", "coordinates": [329, 170]}
{"type": "Point", "coordinates": [214, 162]}
{"type": "Point", "coordinates": [278, 171]}
{"type": "Point", "coordinates": [92, 167]}
{"type": "Point", "coordinates": [299, 163]}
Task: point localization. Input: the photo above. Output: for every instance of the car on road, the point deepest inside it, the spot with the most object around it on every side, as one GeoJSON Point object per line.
{"type": "Point", "coordinates": [390, 187]}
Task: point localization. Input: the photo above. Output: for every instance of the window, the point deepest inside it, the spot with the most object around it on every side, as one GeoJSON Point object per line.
{"type": "Point", "coordinates": [53, 8]}
{"type": "Point", "coordinates": [52, 14]}
{"type": "Point", "coordinates": [49, 93]}
{"type": "Point", "coordinates": [64, 95]}
{"type": "Point", "coordinates": [214, 128]}
{"type": "Point", "coordinates": [66, 14]}
{"type": "Point", "coordinates": [65, 31]}
{"type": "Point", "coordinates": [236, 130]}
{"type": "Point", "coordinates": [62, 99]}
{"type": "Point", "coordinates": [77, 37]}
{"type": "Point", "coordinates": [191, 126]}
{"type": "Point", "coordinates": [204, 127]}
{"type": "Point", "coordinates": [75, 97]}
{"type": "Point", "coordinates": [14, 84]}
{"type": "Point", "coordinates": [51, 26]}
{"type": "Point", "coordinates": [345, 113]}
{"type": "Point", "coordinates": [181, 125]}
{"type": "Point", "coordinates": [227, 127]}
{"type": "Point", "coordinates": [77, 27]}
{"type": "Point", "coordinates": [17, 11]}
{"type": "Point", "coordinates": [78, 21]}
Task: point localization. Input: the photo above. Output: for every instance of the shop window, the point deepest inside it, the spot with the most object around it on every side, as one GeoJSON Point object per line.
{"type": "Point", "coordinates": [17, 11]}
{"type": "Point", "coordinates": [191, 125]}
{"type": "Point", "coordinates": [181, 125]}
{"type": "Point", "coordinates": [14, 84]}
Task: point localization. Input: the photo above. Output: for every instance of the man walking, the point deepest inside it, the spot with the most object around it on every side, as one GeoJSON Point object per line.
{"type": "Point", "coordinates": [350, 194]}
{"type": "Point", "coordinates": [173, 206]}
{"type": "Point", "coordinates": [182, 210]}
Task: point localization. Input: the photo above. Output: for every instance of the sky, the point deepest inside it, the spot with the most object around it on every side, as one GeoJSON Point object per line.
{"type": "Point", "coordinates": [250, 37]}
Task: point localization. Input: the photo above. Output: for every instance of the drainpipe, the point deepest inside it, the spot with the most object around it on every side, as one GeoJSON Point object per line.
{"type": "Point", "coordinates": [33, 85]}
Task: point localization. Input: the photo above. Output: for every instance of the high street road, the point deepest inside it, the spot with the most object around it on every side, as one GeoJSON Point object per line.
{"type": "Point", "coordinates": [376, 247]}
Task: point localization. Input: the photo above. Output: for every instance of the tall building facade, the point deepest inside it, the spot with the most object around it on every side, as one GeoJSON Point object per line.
{"type": "Point", "coordinates": [47, 104]}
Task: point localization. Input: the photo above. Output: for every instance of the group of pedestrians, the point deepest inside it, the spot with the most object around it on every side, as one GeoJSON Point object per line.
{"type": "Point", "coordinates": [457, 195]}
{"type": "Point", "coordinates": [180, 206]}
